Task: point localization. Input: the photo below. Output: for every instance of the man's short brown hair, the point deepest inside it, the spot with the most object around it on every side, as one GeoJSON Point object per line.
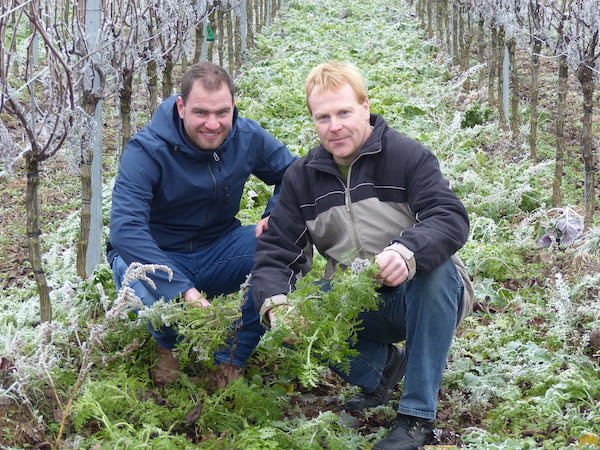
{"type": "Point", "coordinates": [211, 75]}
{"type": "Point", "coordinates": [332, 76]}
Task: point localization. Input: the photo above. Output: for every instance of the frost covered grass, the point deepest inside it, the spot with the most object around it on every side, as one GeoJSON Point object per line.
{"type": "Point", "coordinates": [524, 366]}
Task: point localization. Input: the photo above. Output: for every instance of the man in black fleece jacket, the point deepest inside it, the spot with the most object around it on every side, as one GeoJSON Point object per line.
{"type": "Point", "coordinates": [370, 192]}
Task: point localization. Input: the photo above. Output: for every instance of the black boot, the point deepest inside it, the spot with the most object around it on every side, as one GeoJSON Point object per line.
{"type": "Point", "coordinates": [393, 372]}
{"type": "Point", "coordinates": [408, 433]}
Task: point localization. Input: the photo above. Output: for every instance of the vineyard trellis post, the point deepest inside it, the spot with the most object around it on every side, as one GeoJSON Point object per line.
{"type": "Point", "coordinates": [89, 248]}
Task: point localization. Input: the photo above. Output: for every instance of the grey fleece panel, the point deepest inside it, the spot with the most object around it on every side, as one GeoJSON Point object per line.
{"type": "Point", "coordinates": [368, 225]}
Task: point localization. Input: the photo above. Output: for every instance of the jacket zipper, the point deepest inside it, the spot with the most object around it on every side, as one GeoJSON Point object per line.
{"type": "Point", "coordinates": [350, 210]}
{"type": "Point", "coordinates": [214, 194]}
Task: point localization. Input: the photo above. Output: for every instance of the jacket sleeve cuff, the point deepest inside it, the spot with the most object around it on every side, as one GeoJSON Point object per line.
{"type": "Point", "coordinates": [407, 255]}
{"type": "Point", "coordinates": [271, 302]}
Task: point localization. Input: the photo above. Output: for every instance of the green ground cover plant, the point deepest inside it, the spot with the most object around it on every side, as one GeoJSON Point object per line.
{"type": "Point", "coordinates": [524, 367]}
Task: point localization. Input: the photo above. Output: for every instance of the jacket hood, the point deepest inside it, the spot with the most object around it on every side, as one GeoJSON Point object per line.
{"type": "Point", "coordinates": [168, 126]}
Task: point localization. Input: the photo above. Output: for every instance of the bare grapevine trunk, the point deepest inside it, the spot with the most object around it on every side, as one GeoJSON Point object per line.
{"type": "Point", "coordinates": [250, 21]}
{"type": "Point", "coordinates": [535, 86]}
{"type": "Point", "coordinates": [514, 89]}
{"type": "Point", "coordinates": [230, 49]}
{"type": "Point", "coordinates": [439, 11]}
{"type": "Point", "coordinates": [563, 73]}
{"type": "Point", "coordinates": [585, 75]}
{"type": "Point", "coordinates": [448, 28]}
{"type": "Point", "coordinates": [455, 36]}
{"type": "Point", "coordinates": [167, 77]}
{"type": "Point", "coordinates": [238, 43]}
{"type": "Point", "coordinates": [481, 53]}
{"type": "Point", "coordinates": [33, 236]}
{"type": "Point", "coordinates": [493, 61]}
{"type": "Point", "coordinates": [465, 53]}
{"type": "Point", "coordinates": [258, 15]}
{"type": "Point", "coordinates": [125, 106]}
{"type": "Point", "coordinates": [429, 18]}
{"type": "Point", "coordinates": [152, 73]}
{"type": "Point", "coordinates": [220, 35]}
{"type": "Point", "coordinates": [500, 78]}
{"type": "Point", "coordinates": [87, 155]}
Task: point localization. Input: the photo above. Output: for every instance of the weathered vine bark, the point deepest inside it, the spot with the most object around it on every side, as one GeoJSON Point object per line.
{"type": "Point", "coordinates": [87, 155]}
{"type": "Point", "coordinates": [125, 105]}
{"type": "Point", "coordinates": [151, 68]}
{"type": "Point", "coordinates": [481, 53]}
{"type": "Point", "coordinates": [220, 35]}
{"type": "Point", "coordinates": [250, 22]}
{"type": "Point", "coordinates": [535, 88]}
{"type": "Point", "coordinates": [455, 35]}
{"type": "Point", "coordinates": [563, 74]}
{"type": "Point", "coordinates": [429, 8]}
{"type": "Point", "coordinates": [33, 236]}
{"type": "Point", "coordinates": [439, 22]}
{"type": "Point", "coordinates": [167, 77]}
{"type": "Point", "coordinates": [500, 78]}
{"type": "Point", "coordinates": [493, 64]}
{"type": "Point", "coordinates": [258, 15]}
{"type": "Point", "coordinates": [448, 27]}
{"type": "Point", "coordinates": [585, 75]}
{"type": "Point", "coordinates": [238, 57]}
{"type": "Point", "coordinates": [514, 89]}
{"type": "Point", "coordinates": [230, 49]}
{"type": "Point", "coordinates": [465, 52]}
{"type": "Point", "coordinates": [152, 73]}
{"type": "Point", "coordinates": [535, 27]}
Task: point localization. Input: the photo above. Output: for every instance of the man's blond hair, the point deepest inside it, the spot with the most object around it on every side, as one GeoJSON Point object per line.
{"type": "Point", "coordinates": [332, 76]}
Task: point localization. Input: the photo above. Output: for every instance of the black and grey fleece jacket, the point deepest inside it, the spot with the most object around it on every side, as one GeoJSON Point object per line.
{"type": "Point", "coordinates": [395, 197]}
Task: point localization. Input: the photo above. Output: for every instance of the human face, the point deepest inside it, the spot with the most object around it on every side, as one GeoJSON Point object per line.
{"type": "Point", "coordinates": [207, 115]}
{"type": "Point", "coordinates": [342, 122]}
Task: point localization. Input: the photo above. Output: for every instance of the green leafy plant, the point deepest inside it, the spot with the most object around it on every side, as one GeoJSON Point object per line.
{"type": "Point", "coordinates": [476, 115]}
{"type": "Point", "coordinates": [323, 322]}
{"type": "Point", "coordinates": [202, 329]}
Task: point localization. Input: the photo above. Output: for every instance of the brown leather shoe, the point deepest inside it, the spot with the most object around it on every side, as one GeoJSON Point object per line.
{"type": "Point", "coordinates": [166, 369]}
{"type": "Point", "coordinates": [226, 373]}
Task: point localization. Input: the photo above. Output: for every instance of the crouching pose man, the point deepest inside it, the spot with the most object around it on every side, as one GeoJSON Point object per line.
{"type": "Point", "coordinates": [175, 202]}
{"type": "Point", "coordinates": [368, 191]}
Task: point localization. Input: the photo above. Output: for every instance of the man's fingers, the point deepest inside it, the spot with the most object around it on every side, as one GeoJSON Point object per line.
{"type": "Point", "coordinates": [199, 302]}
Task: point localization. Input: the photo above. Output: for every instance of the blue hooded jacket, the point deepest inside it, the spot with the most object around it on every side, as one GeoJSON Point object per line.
{"type": "Point", "coordinates": [171, 196]}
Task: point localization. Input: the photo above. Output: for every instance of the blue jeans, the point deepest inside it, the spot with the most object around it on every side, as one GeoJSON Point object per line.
{"type": "Point", "coordinates": [217, 270]}
{"type": "Point", "coordinates": [423, 311]}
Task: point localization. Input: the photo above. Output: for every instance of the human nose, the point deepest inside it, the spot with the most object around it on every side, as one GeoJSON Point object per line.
{"type": "Point", "coordinates": [211, 122]}
{"type": "Point", "coordinates": [335, 125]}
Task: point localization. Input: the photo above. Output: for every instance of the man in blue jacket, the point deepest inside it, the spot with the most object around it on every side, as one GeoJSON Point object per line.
{"type": "Point", "coordinates": [175, 200]}
{"type": "Point", "coordinates": [370, 192]}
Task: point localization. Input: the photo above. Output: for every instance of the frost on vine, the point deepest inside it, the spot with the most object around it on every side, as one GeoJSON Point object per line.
{"type": "Point", "coordinates": [80, 138]}
{"type": "Point", "coordinates": [10, 151]}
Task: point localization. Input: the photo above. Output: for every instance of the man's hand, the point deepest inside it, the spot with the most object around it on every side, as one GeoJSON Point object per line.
{"type": "Point", "coordinates": [281, 315]}
{"type": "Point", "coordinates": [394, 270]}
{"type": "Point", "coordinates": [195, 298]}
{"type": "Point", "coordinates": [261, 227]}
